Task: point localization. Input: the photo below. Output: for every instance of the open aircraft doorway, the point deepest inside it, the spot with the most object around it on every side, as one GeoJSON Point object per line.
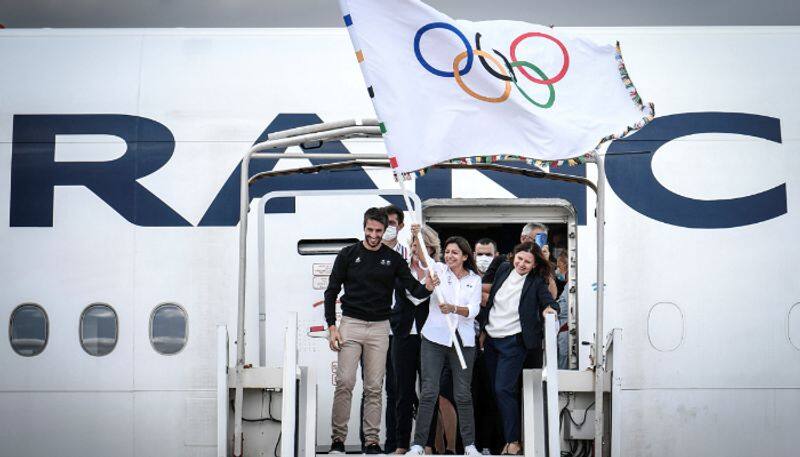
{"type": "Point", "coordinates": [502, 220]}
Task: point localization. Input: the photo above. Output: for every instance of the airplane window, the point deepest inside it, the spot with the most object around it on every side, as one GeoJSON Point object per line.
{"type": "Point", "coordinates": [324, 247]}
{"type": "Point", "coordinates": [168, 329]}
{"type": "Point", "coordinates": [28, 330]}
{"type": "Point", "coordinates": [98, 330]}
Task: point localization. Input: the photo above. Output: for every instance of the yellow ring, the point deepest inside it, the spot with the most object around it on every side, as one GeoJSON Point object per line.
{"type": "Point", "coordinates": [474, 94]}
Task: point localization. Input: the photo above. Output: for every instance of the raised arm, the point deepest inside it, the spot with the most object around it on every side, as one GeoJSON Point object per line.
{"type": "Point", "coordinates": [414, 287]}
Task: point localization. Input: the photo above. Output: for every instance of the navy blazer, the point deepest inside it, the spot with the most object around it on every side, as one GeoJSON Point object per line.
{"type": "Point", "coordinates": [535, 297]}
{"type": "Point", "coordinates": [405, 312]}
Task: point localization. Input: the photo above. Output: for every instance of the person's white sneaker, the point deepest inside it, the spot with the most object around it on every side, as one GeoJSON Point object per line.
{"type": "Point", "coordinates": [417, 450]}
{"type": "Point", "coordinates": [472, 451]}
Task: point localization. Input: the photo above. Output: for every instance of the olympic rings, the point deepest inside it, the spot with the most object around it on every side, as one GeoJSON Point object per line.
{"type": "Point", "coordinates": [539, 72]}
{"type": "Point", "coordinates": [480, 97]}
{"type": "Point", "coordinates": [506, 68]}
{"type": "Point", "coordinates": [452, 28]}
{"type": "Point", "coordinates": [564, 67]}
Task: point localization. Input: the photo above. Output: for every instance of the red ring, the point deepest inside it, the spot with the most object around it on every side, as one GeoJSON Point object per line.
{"type": "Point", "coordinates": [555, 78]}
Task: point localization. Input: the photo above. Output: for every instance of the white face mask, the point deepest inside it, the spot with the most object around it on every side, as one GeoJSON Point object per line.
{"type": "Point", "coordinates": [483, 261]}
{"type": "Point", "coordinates": [390, 234]}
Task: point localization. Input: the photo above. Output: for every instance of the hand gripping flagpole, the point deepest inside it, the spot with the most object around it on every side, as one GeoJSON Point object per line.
{"type": "Point", "coordinates": [418, 220]}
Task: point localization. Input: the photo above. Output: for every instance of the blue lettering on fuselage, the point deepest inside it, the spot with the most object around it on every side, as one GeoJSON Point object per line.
{"type": "Point", "coordinates": [35, 173]}
{"type": "Point", "coordinates": [224, 210]}
{"type": "Point", "coordinates": [630, 173]}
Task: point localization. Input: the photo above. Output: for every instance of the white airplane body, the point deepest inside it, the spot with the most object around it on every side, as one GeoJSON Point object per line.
{"type": "Point", "coordinates": [119, 152]}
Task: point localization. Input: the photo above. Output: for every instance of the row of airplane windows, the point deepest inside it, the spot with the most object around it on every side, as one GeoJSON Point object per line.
{"type": "Point", "coordinates": [29, 329]}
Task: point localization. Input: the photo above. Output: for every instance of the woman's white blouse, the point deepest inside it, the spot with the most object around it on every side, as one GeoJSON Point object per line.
{"type": "Point", "coordinates": [465, 292]}
{"type": "Point", "coordinates": [504, 315]}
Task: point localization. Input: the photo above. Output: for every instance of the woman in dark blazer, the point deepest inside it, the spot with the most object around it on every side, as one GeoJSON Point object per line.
{"type": "Point", "coordinates": [512, 320]}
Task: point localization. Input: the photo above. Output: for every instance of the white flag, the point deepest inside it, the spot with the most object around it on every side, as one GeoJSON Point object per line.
{"type": "Point", "coordinates": [446, 89]}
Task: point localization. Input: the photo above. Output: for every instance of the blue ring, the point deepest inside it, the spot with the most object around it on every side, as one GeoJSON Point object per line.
{"type": "Point", "coordinates": [442, 25]}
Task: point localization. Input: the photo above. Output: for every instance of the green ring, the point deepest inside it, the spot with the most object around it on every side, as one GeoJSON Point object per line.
{"type": "Point", "coordinates": [541, 74]}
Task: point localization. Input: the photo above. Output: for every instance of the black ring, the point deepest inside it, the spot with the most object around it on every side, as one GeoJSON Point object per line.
{"type": "Point", "coordinates": [491, 70]}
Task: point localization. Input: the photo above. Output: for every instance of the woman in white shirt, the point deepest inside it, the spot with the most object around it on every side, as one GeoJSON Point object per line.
{"type": "Point", "coordinates": [512, 320]}
{"type": "Point", "coordinates": [460, 286]}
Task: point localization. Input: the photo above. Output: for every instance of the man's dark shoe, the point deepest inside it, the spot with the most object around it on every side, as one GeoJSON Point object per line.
{"type": "Point", "coordinates": [337, 447]}
{"type": "Point", "coordinates": [373, 448]}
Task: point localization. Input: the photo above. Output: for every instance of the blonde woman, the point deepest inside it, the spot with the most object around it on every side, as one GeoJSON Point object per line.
{"type": "Point", "coordinates": [407, 320]}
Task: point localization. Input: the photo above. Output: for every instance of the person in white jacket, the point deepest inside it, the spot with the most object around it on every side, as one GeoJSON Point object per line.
{"type": "Point", "coordinates": [460, 287]}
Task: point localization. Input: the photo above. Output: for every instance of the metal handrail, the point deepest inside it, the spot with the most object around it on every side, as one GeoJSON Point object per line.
{"type": "Point", "coordinates": [314, 128]}
{"type": "Point", "coordinates": [337, 134]}
{"type": "Point", "coordinates": [384, 163]}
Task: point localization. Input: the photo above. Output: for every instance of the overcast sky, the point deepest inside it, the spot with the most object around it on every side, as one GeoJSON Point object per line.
{"type": "Point", "coordinates": [325, 13]}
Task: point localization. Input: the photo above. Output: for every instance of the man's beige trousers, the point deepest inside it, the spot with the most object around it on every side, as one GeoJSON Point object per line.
{"type": "Point", "coordinates": [370, 341]}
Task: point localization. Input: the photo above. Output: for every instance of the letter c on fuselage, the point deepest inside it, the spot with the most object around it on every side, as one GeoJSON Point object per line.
{"type": "Point", "coordinates": [630, 173]}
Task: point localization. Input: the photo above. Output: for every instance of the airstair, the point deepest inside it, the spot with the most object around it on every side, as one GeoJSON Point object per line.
{"type": "Point", "coordinates": [565, 412]}
{"type": "Point", "coordinates": [558, 411]}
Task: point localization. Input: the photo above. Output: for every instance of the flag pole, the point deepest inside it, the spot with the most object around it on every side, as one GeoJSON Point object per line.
{"type": "Point", "coordinates": [415, 216]}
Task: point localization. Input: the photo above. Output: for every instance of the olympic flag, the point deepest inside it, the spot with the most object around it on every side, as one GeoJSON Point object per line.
{"type": "Point", "coordinates": [446, 89]}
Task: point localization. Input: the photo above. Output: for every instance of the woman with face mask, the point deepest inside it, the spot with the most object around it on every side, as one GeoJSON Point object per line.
{"type": "Point", "coordinates": [460, 287]}
{"type": "Point", "coordinates": [512, 319]}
